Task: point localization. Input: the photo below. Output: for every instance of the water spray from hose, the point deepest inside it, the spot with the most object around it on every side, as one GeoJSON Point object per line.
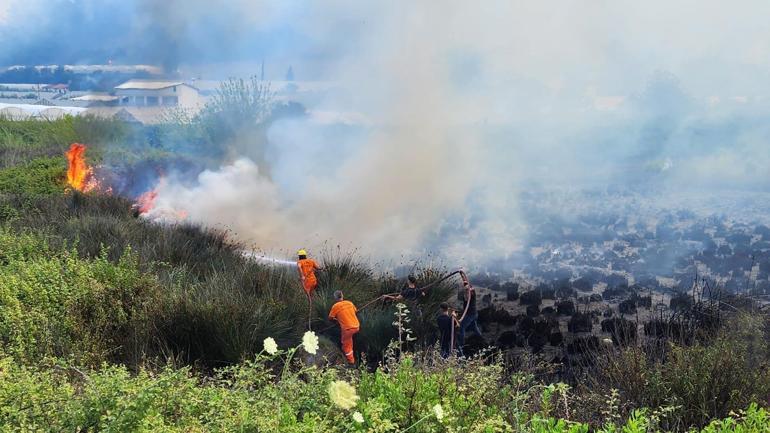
{"type": "Point", "coordinates": [270, 260]}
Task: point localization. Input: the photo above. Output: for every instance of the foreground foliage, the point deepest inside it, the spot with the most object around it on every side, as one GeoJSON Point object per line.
{"type": "Point", "coordinates": [253, 397]}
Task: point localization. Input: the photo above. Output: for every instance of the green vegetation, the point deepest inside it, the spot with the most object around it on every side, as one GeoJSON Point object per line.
{"type": "Point", "coordinates": [60, 305]}
{"type": "Point", "coordinates": [39, 176]}
{"type": "Point", "coordinates": [256, 395]}
{"type": "Point", "coordinates": [109, 322]}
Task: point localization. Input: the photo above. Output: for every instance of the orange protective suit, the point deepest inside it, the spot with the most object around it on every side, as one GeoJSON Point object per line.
{"type": "Point", "coordinates": [307, 269]}
{"type": "Point", "coordinates": [344, 312]}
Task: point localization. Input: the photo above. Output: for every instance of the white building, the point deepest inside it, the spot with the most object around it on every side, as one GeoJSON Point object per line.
{"type": "Point", "coordinates": [154, 93]}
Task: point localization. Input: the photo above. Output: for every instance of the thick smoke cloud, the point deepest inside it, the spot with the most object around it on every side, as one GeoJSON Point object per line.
{"type": "Point", "coordinates": [168, 33]}
{"type": "Point", "coordinates": [472, 105]}
{"type": "Point", "coordinates": [473, 111]}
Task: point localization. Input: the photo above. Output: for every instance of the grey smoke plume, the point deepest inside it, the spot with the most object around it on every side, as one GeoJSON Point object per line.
{"type": "Point", "coordinates": [170, 33]}
{"type": "Point", "coordinates": [469, 106]}
{"type": "Point", "coordinates": [473, 104]}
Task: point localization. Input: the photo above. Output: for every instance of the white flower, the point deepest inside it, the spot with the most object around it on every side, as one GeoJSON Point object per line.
{"type": "Point", "coordinates": [270, 346]}
{"type": "Point", "coordinates": [310, 342]}
{"type": "Point", "coordinates": [357, 417]}
{"type": "Point", "coordinates": [343, 394]}
{"type": "Point", "coordinates": [438, 411]}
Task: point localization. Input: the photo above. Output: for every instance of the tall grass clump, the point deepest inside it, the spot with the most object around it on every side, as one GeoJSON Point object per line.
{"type": "Point", "coordinates": [698, 382]}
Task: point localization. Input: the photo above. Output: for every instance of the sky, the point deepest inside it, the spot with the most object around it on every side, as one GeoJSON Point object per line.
{"type": "Point", "coordinates": [469, 105]}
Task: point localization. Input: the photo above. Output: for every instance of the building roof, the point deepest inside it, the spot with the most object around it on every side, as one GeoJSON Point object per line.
{"type": "Point", "coordinates": [39, 110]}
{"type": "Point", "coordinates": [149, 85]}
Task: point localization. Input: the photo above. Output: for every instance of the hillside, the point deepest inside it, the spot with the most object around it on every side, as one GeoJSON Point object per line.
{"type": "Point", "coordinates": [112, 322]}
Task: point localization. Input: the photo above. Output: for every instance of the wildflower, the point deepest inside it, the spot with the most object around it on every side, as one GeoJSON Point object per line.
{"type": "Point", "coordinates": [438, 411]}
{"type": "Point", "coordinates": [357, 417]}
{"type": "Point", "coordinates": [270, 346]}
{"type": "Point", "coordinates": [310, 342]}
{"type": "Point", "coordinates": [343, 394]}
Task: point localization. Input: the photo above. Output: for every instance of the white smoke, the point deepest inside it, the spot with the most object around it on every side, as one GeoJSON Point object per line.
{"type": "Point", "coordinates": [472, 103]}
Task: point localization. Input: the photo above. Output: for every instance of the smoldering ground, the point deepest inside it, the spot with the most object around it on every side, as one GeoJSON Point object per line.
{"type": "Point", "coordinates": [467, 108]}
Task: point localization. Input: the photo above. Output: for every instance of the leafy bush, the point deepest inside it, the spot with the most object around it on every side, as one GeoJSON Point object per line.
{"type": "Point", "coordinates": [408, 395]}
{"type": "Point", "coordinates": [56, 304]}
{"type": "Point", "coordinates": [23, 141]}
{"type": "Point", "coordinates": [701, 381]}
{"type": "Point", "coordinates": [39, 176]}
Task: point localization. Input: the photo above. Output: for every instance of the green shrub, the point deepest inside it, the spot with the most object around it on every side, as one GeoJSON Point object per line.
{"type": "Point", "coordinates": [254, 396]}
{"type": "Point", "coordinates": [56, 304]}
{"type": "Point", "coordinates": [23, 141]}
{"type": "Point", "coordinates": [701, 381]}
{"type": "Point", "coordinates": [39, 176]}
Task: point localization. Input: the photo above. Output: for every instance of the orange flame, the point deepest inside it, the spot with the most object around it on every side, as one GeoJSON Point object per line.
{"type": "Point", "coordinates": [79, 174]}
{"type": "Point", "coordinates": [146, 204]}
{"type": "Point", "coordinates": [146, 201]}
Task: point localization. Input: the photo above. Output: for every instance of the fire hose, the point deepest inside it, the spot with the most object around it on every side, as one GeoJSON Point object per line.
{"type": "Point", "coordinates": [468, 288]}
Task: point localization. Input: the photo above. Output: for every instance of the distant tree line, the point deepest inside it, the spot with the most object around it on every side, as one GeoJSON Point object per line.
{"type": "Point", "coordinates": [92, 81]}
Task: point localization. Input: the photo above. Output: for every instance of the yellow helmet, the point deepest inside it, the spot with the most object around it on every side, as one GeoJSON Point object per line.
{"type": "Point", "coordinates": [301, 253]}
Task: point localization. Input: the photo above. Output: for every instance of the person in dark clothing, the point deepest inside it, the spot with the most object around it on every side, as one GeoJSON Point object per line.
{"type": "Point", "coordinates": [409, 291]}
{"type": "Point", "coordinates": [445, 322]}
{"type": "Point", "coordinates": [470, 321]}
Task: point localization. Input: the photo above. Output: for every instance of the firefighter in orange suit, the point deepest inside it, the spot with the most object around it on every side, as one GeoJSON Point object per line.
{"type": "Point", "coordinates": [344, 312]}
{"type": "Point", "coordinates": [307, 268]}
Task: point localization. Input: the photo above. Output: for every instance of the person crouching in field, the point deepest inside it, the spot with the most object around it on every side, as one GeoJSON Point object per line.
{"type": "Point", "coordinates": [344, 313]}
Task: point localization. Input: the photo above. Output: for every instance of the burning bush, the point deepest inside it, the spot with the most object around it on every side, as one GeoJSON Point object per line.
{"type": "Point", "coordinates": [80, 175]}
